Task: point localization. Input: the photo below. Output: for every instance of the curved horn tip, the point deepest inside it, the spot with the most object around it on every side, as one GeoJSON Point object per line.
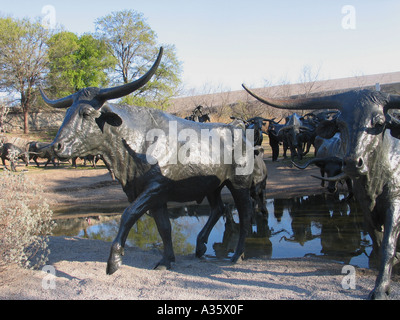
{"type": "Point", "coordinates": [302, 167]}
{"type": "Point", "coordinates": [123, 90]}
{"type": "Point", "coordinates": [298, 166]}
{"type": "Point", "coordinates": [59, 103]}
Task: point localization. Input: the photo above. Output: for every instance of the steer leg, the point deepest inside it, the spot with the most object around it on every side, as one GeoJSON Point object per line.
{"type": "Point", "coordinates": [35, 157]}
{"type": "Point", "coordinates": [245, 209]}
{"type": "Point", "coordinates": [161, 217]}
{"type": "Point", "coordinates": [388, 252]}
{"type": "Point", "coordinates": [146, 200]}
{"type": "Point", "coordinates": [13, 167]}
{"type": "Point", "coordinates": [322, 175]}
{"type": "Point", "coordinates": [349, 188]}
{"type": "Point", "coordinates": [217, 208]}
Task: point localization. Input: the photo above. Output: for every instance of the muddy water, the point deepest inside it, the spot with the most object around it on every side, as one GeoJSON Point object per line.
{"type": "Point", "coordinates": [314, 225]}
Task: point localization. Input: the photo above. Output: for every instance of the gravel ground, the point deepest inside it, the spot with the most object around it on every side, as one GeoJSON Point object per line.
{"type": "Point", "coordinates": [78, 272]}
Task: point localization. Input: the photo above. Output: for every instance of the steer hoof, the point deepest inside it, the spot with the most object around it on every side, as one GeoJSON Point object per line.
{"type": "Point", "coordinates": [164, 264]}
{"type": "Point", "coordinates": [378, 295]}
{"type": "Point", "coordinates": [115, 259]}
{"type": "Point", "coordinates": [236, 257]}
{"type": "Point", "coordinates": [200, 250]}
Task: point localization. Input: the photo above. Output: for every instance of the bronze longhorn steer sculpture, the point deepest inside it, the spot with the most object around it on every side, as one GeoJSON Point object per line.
{"type": "Point", "coordinates": [12, 153]}
{"type": "Point", "coordinates": [158, 158]}
{"type": "Point", "coordinates": [295, 133]}
{"type": "Point", "coordinates": [329, 159]}
{"type": "Point", "coordinates": [370, 135]}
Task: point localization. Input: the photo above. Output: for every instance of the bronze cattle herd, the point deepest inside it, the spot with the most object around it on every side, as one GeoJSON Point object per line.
{"type": "Point", "coordinates": [158, 158]}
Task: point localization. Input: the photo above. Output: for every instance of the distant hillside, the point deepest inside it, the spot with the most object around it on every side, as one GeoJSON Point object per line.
{"type": "Point", "coordinates": [222, 105]}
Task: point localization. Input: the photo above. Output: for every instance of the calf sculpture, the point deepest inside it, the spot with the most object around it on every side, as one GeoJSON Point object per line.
{"type": "Point", "coordinates": [157, 158]}
{"type": "Point", "coordinates": [370, 137]}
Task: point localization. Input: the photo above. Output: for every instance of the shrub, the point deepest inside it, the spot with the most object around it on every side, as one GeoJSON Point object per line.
{"type": "Point", "coordinates": [25, 222]}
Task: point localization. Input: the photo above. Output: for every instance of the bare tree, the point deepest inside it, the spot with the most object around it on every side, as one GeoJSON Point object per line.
{"type": "Point", "coordinates": [215, 99]}
{"type": "Point", "coordinates": [309, 79]}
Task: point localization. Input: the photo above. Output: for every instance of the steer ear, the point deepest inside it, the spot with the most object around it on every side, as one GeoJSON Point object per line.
{"type": "Point", "coordinates": [394, 127]}
{"type": "Point", "coordinates": [108, 117]}
{"type": "Point", "coordinates": [393, 122]}
{"type": "Point", "coordinates": [327, 129]}
{"type": "Point", "coordinates": [395, 132]}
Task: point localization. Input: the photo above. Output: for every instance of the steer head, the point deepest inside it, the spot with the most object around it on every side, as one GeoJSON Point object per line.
{"type": "Point", "coordinates": [293, 128]}
{"type": "Point", "coordinates": [362, 120]}
{"type": "Point", "coordinates": [257, 123]}
{"type": "Point", "coordinates": [88, 114]}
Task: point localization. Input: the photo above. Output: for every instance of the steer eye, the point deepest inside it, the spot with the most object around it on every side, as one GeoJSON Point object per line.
{"type": "Point", "coordinates": [86, 115]}
{"type": "Point", "coordinates": [378, 120]}
{"type": "Point", "coordinates": [377, 124]}
{"type": "Point", "coordinates": [85, 112]}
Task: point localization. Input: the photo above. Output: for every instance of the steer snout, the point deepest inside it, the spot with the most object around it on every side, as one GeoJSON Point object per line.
{"type": "Point", "coordinates": [57, 146]}
{"type": "Point", "coordinates": [60, 151]}
{"type": "Point", "coordinates": [354, 166]}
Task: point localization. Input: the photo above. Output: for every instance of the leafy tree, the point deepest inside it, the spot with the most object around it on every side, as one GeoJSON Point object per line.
{"type": "Point", "coordinates": [23, 59]}
{"type": "Point", "coordinates": [134, 44]}
{"type": "Point", "coordinates": [62, 62]}
{"type": "Point", "coordinates": [77, 62]}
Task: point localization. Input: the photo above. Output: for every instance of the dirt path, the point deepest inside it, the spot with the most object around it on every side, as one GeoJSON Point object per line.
{"type": "Point", "coordinates": [79, 264]}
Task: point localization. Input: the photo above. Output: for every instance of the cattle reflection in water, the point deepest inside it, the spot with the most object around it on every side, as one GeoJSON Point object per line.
{"type": "Point", "coordinates": [314, 225]}
{"type": "Point", "coordinates": [304, 226]}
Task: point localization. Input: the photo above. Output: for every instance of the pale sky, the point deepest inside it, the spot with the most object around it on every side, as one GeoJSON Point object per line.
{"type": "Point", "coordinates": [224, 43]}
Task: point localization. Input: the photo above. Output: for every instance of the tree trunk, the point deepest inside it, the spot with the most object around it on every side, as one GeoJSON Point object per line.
{"type": "Point", "coordinates": [26, 122]}
{"type": "Point", "coordinates": [25, 109]}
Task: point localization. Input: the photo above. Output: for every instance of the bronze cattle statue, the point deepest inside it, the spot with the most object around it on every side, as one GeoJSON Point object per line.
{"type": "Point", "coordinates": [12, 153]}
{"type": "Point", "coordinates": [329, 159]}
{"type": "Point", "coordinates": [370, 136]}
{"type": "Point", "coordinates": [157, 158]}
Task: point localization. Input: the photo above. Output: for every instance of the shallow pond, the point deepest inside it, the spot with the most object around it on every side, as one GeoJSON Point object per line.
{"type": "Point", "coordinates": [314, 225]}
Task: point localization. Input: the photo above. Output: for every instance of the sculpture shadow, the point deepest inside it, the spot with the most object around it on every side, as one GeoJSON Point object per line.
{"type": "Point", "coordinates": [218, 274]}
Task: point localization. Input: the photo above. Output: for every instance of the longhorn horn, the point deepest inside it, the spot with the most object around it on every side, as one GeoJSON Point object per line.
{"type": "Point", "coordinates": [59, 103]}
{"type": "Point", "coordinates": [328, 102]}
{"type": "Point", "coordinates": [329, 112]}
{"type": "Point", "coordinates": [120, 91]}
{"type": "Point", "coordinates": [309, 114]}
{"type": "Point", "coordinates": [271, 120]}
{"type": "Point", "coordinates": [395, 100]}
{"type": "Point", "coordinates": [285, 128]}
{"type": "Point", "coordinates": [305, 128]}
{"type": "Point", "coordinates": [341, 176]}
{"type": "Point", "coordinates": [315, 160]}
{"type": "Point", "coordinates": [306, 165]}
